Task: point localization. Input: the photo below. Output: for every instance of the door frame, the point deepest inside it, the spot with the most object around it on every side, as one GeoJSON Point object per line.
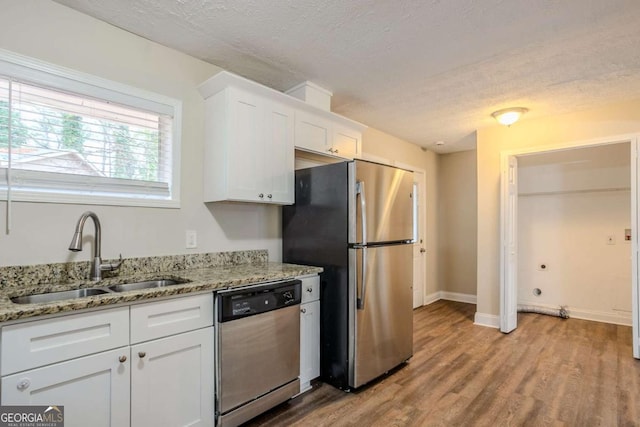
{"type": "Point", "coordinates": [422, 211]}
{"type": "Point", "coordinates": [509, 264]}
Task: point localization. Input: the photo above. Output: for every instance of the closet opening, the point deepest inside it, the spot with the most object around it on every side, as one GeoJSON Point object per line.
{"type": "Point", "coordinates": [569, 233]}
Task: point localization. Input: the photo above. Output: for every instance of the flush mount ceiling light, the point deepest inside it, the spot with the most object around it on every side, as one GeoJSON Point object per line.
{"type": "Point", "coordinates": [509, 116]}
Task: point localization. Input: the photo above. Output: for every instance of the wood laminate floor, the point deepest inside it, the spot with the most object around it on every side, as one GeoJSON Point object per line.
{"type": "Point", "coordinates": [548, 372]}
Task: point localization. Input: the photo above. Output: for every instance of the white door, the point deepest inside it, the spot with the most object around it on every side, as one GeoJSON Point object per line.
{"type": "Point", "coordinates": [309, 343]}
{"type": "Point", "coordinates": [312, 132]}
{"type": "Point", "coordinates": [509, 245]}
{"type": "Point", "coordinates": [246, 127]}
{"type": "Point", "coordinates": [635, 261]}
{"type": "Point", "coordinates": [419, 247]}
{"type": "Point", "coordinates": [345, 142]}
{"type": "Point", "coordinates": [94, 390]}
{"type": "Point", "coordinates": [172, 381]}
{"type": "Point", "coordinates": [278, 153]}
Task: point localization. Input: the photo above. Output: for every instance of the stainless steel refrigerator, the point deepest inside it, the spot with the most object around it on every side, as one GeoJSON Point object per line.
{"type": "Point", "coordinates": [355, 219]}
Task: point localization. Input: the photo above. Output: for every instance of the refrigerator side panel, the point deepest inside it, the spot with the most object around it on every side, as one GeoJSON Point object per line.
{"type": "Point", "coordinates": [384, 326]}
{"type": "Point", "coordinates": [388, 193]}
{"type": "Point", "coordinates": [315, 232]}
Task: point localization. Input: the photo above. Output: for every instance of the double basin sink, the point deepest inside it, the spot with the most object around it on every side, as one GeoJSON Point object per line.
{"type": "Point", "coordinates": [87, 292]}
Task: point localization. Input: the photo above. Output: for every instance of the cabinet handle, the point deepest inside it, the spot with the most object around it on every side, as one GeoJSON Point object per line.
{"type": "Point", "coordinates": [141, 354]}
{"type": "Point", "coordinates": [303, 310]}
{"type": "Point", "coordinates": [335, 151]}
{"type": "Point", "coordinates": [309, 290]}
{"type": "Point", "coordinates": [269, 196]}
{"type": "Point", "coordinates": [330, 150]}
{"type": "Point", "coordinates": [122, 359]}
{"type": "Point", "coordinates": [261, 195]}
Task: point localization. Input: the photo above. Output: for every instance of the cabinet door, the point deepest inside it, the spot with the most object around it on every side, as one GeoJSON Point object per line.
{"type": "Point", "coordinates": [346, 142]}
{"type": "Point", "coordinates": [172, 381]}
{"type": "Point", "coordinates": [309, 343]}
{"type": "Point", "coordinates": [279, 153]}
{"type": "Point", "coordinates": [245, 162]}
{"type": "Point", "coordinates": [312, 132]}
{"type": "Point", "coordinates": [94, 390]}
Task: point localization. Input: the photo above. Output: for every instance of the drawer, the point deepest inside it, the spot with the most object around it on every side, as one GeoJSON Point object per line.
{"type": "Point", "coordinates": [310, 288]}
{"type": "Point", "coordinates": [42, 342]}
{"type": "Point", "coordinates": [161, 319]}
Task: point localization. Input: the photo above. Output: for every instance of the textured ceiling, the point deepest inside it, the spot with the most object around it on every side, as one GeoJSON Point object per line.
{"type": "Point", "coordinates": [424, 71]}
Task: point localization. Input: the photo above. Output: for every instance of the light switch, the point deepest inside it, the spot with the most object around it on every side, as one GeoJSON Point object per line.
{"type": "Point", "coordinates": [191, 239]}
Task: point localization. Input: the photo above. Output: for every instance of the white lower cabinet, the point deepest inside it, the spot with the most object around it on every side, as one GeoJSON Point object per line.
{"type": "Point", "coordinates": [164, 381]}
{"type": "Point", "coordinates": [309, 343]}
{"type": "Point", "coordinates": [172, 381]}
{"type": "Point", "coordinates": [94, 390]}
{"type": "Point", "coordinates": [309, 331]}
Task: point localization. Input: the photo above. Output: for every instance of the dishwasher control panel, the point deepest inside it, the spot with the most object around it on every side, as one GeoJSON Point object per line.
{"type": "Point", "coordinates": [251, 300]}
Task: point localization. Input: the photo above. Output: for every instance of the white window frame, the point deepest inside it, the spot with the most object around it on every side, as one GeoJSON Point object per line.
{"type": "Point", "coordinates": [35, 71]}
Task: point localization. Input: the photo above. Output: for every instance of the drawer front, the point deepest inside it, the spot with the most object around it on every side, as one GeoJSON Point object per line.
{"type": "Point", "coordinates": [33, 344]}
{"type": "Point", "coordinates": [310, 288]}
{"type": "Point", "coordinates": [160, 319]}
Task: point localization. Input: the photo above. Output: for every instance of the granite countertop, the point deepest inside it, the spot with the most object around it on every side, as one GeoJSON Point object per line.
{"type": "Point", "coordinates": [198, 279]}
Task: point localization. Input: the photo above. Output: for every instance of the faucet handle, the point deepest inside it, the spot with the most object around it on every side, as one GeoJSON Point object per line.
{"type": "Point", "coordinates": [110, 266]}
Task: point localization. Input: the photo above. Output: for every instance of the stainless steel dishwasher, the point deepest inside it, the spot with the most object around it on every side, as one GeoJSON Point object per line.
{"type": "Point", "coordinates": [258, 349]}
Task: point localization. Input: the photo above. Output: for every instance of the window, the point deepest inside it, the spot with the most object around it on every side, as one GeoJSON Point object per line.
{"type": "Point", "coordinates": [69, 137]}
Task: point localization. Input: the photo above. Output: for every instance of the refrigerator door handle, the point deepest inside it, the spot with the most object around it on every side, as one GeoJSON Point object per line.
{"type": "Point", "coordinates": [360, 302]}
{"type": "Point", "coordinates": [363, 211]}
{"type": "Point", "coordinates": [363, 223]}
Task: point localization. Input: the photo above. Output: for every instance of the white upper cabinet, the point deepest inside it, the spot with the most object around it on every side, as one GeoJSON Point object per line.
{"type": "Point", "coordinates": [251, 132]}
{"type": "Point", "coordinates": [248, 154]}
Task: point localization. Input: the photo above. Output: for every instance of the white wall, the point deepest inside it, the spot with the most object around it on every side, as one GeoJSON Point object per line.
{"type": "Point", "coordinates": [570, 202]}
{"type": "Point", "coordinates": [41, 232]}
{"type": "Point", "coordinates": [457, 216]}
{"type": "Point", "coordinates": [568, 233]}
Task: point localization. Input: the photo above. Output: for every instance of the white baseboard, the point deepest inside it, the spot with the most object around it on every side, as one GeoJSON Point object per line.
{"type": "Point", "coordinates": [456, 296]}
{"type": "Point", "coordinates": [600, 316]}
{"type": "Point", "coordinates": [488, 320]}
{"type": "Point", "coordinates": [482, 319]}
{"type": "Point", "coordinates": [431, 298]}
{"type": "Point", "coordinates": [449, 296]}
{"type": "Point", "coordinates": [614, 317]}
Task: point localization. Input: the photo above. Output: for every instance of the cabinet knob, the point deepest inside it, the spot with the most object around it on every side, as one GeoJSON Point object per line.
{"type": "Point", "coordinates": [141, 354]}
{"type": "Point", "coordinates": [261, 195]}
{"type": "Point", "coordinates": [303, 310]}
{"type": "Point", "coordinates": [23, 384]}
{"type": "Point", "coordinates": [122, 359]}
{"type": "Point", "coordinates": [309, 290]}
{"type": "Point", "coordinates": [423, 250]}
{"type": "Point", "coordinates": [330, 150]}
{"type": "Point", "coordinates": [269, 195]}
{"type": "Point", "coordinates": [335, 151]}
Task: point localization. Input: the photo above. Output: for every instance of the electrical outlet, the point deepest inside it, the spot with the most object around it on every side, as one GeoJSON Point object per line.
{"type": "Point", "coordinates": [191, 238]}
{"type": "Point", "coordinates": [611, 240]}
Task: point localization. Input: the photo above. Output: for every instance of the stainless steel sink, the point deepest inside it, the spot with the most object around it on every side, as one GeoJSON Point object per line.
{"type": "Point", "coordinates": [149, 284]}
{"type": "Point", "coordinates": [87, 292]}
{"type": "Point", "coordinates": [58, 296]}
